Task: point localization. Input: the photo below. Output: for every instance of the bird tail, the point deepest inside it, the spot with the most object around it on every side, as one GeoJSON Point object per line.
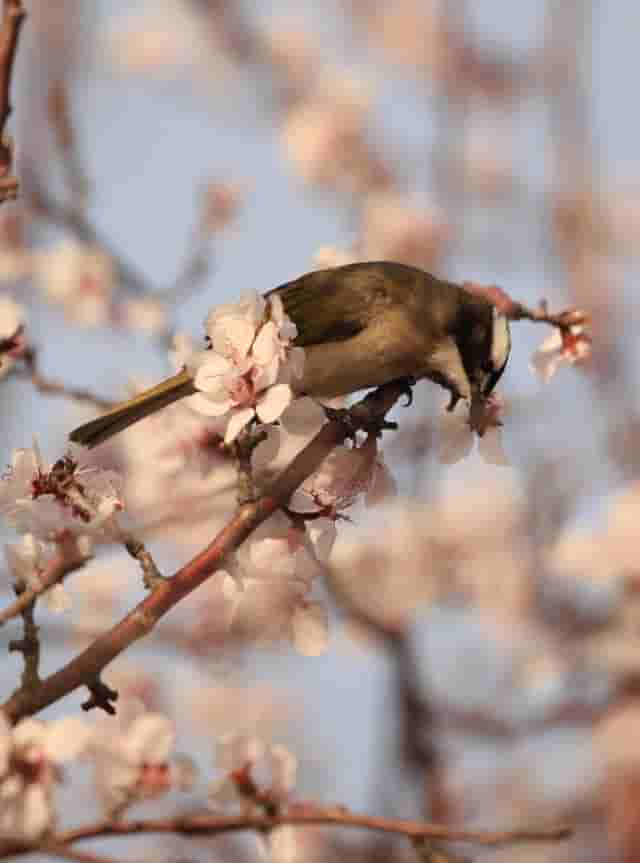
{"type": "Point", "coordinates": [121, 417]}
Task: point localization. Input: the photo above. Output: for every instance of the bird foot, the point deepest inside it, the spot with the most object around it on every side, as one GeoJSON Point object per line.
{"type": "Point", "coordinates": [407, 384]}
{"type": "Point", "coordinates": [343, 416]}
{"type": "Point", "coordinates": [453, 400]}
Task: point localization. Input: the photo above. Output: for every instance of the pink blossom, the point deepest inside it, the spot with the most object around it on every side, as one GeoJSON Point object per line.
{"type": "Point", "coordinates": [27, 563]}
{"type": "Point", "coordinates": [394, 229]}
{"type": "Point", "coordinates": [49, 501]}
{"type": "Point", "coordinates": [30, 759]}
{"type": "Point", "coordinates": [457, 436]}
{"type": "Point", "coordinates": [570, 345]}
{"type": "Point", "coordinates": [221, 205]}
{"type": "Point", "coordinates": [254, 772]}
{"type": "Point", "coordinates": [343, 476]}
{"type": "Point", "coordinates": [132, 762]}
{"type": "Point", "coordinates": [330, 256]}
{"type": "Point", "coordinates": [244, 374]}
{"type": "Point", "coordinates": [79, 277]}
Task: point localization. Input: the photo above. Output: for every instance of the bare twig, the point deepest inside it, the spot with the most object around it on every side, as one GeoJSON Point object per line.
{"type": "Point", "coordinates": [87, 666]}
{"type": "Point", "coordinates": [77, 223]}
{"type": "Point", "coordinates": [218, 824]}
{"type": "Point", "coordinates": [13, 15]}
{"type": "Point", "coordinates": [61, 124]}
{"type": "Point", "coordinates": [51, 387]}
{"type": "Point", "coordinates": [29, 647]}
{"type": "Point", "coordinates": [150, 573]}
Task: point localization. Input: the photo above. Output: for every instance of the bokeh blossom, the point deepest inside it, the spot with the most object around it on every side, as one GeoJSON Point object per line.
{"type": "Point", "coordinates": [133, 762]}
{"type": "Point", "coordinates": [80, 278]}
{"type": "Point", "coordinates": [571, 346]}
{"type": "Point", "coordinates": [28, 561]}
{"type": "Point", "coordinates": [31, 755]}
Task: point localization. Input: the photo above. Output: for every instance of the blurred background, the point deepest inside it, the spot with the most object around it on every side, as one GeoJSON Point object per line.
{"type": "Point", "coordinates": [483, 667]}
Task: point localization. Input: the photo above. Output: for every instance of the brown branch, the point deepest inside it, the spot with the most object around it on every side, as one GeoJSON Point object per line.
{"type": "Point", "coordinates": [139, 622]}
{"type": "Point", "coordinates": [13, 15]}
{"type": "Point", "coordinates": [29, 647]}
{"type": "Point", "coordinates": [218, 824]}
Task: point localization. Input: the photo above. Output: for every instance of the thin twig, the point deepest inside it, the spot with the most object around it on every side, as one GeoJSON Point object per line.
{"type": "Point", "coordinates": [218, 824]}
{"type": "Point", "coordinates": [77, 223]}
{"type": "Point", "coordinates": [29, 647]}
{"type": "Point", "coordinates": [88, 665]}
{"type": "Point", "coordinates": [51, 387]}
{"type": "Point", "coordinates": [13, 15]}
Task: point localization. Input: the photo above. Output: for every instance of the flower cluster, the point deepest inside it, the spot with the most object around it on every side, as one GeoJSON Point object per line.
{"type": "Point", "coordinates": [31, 755]}
{"type": "Point", "coordinates": [247, 373]}
{"type": "Point", "coordinates": [60, 509]}
{"type": "Point", "coordinates": [254, 772]}
{"type": "Point", "coordinates": [53, 501]}
{"type": "Point", "coordinates": [571, 344]}
{"type": "Point", "coordinates": [132, 762]}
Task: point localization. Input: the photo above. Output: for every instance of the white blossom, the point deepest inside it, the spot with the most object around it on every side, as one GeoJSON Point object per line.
{"type": "Point", "coordinates": [30, 757]}
{"type": "Point", "coordinates": [49, 501]}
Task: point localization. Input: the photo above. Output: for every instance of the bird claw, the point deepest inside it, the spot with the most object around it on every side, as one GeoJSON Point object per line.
{"type": "Point", "coordinates": [453, 401]}
{"type": "Point", "coordinates": [408, 383]}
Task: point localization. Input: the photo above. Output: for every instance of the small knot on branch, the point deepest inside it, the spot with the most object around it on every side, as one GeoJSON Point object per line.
{"type": "Point", "coordinates": [102, 696]}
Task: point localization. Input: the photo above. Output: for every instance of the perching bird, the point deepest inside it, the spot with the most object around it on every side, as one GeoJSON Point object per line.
{"type": "Point", "coordinates": [363, 325]}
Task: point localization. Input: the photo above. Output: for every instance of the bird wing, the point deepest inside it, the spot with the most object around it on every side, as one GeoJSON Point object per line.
{"type": "Point", "coordinates": [335, 305]}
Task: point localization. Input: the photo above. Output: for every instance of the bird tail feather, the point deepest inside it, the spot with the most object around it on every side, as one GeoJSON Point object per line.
{"type": "Point", "coordinates": [121, 417]}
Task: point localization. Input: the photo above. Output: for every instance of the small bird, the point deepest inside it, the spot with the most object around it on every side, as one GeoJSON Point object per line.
{"type": "Point", "coordinates": [363, 325]}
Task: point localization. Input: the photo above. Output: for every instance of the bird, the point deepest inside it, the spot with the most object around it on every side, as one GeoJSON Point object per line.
{"type": "Point", "coordinates": [363, 325]}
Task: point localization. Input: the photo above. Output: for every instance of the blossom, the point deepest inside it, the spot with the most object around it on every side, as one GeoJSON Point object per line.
{"type": "Point", "coordinates": [343, 476]}
{"type": "Point", "coordinates": [330, 256]}
{"type": "Point", "coordinates": [12, 341]}
{"type": "Point", "coordinates": [394, 229]}
{"type": "Point", "coordinates": [81, 278]}
{"type": "Point", "coordinates": [28, 561]}
{"type": "Point", "coordinates": [325, 137]}
{"type": "Point", "coordinates": [275, 570]}
{"type": "Point", "coordinates": [246, 372]}
{"type": "Point", "coordinates": [145, 314]}
{"type": "Point", "coordinates": [571, 344]}
{"type": "Point", "coordinates": [30, 757]}
{"type": "Point", "coordinates": [159, 41]}
{"type": "Point", "coordinates": [456, 436]}
{"type": "Point", "coordinates": [221, 205]}
{"type": "Point", "coordinates": [254, 771]}
{"type": "Point", "coordinates": [132, 763]}
{"type": "Point", "coordinates": [50, 501]}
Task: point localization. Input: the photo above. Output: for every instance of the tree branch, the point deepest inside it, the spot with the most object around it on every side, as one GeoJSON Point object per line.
{"type": "Point", "coordinates": [13, 15]}
{"type": "Point", "coordinates": [218, 824]}
{"type": "Point", "coordinates": [51, 387]}
{"type": "Point", "coordinates": [87, 666]}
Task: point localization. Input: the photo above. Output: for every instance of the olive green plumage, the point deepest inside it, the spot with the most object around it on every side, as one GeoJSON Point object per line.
{"type": "Point", "coordinates": [363, 325]}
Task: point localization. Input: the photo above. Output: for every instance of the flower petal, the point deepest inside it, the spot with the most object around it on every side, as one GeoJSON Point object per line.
{"type": "Point", "coordinates": [310, 628]}
{"type": "Point", "coordinates": [237, 421]}
{"type": "Point", "coordinates": [274, 402]}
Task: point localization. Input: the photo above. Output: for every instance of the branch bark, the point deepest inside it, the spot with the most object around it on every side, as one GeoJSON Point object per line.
{"type": "Point", "coordinates": [86, 668]}
{"type": "Point", "coordinates": [210, 825]}
{"type": "Point", "coordinates": [13, 15]}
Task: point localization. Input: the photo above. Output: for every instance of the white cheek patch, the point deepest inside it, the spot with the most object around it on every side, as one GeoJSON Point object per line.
{"type": "Point", "coordinates": [501, 340]}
